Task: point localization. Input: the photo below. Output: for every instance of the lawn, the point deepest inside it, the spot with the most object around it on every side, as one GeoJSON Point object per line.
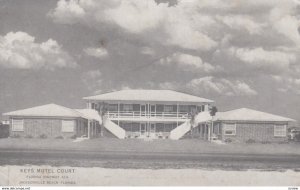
{"type": "Point", "coordinates": [155, 146]}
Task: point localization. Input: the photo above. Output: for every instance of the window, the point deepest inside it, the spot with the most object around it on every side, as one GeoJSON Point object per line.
{"type": "Point", "coordinates": [128, 107]}
{"type": "Point", "coordinates": [168, 108]}
{"type": "Point", "coordinates": [17, 125]}
{"type": "Point", "coordinates": [113, 107]}
{"type": "Point", "coordinates": [184, 108]}
{"type": "Point", "coordinates": [279, 130]}
{"type": "Point", "coordinates": [229, 129]}
{"type": "Point", "coordinates": [68, 126]}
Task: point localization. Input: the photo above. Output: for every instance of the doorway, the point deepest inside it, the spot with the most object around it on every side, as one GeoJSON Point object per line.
{"type": "Point", "coordinates": [143, 129]}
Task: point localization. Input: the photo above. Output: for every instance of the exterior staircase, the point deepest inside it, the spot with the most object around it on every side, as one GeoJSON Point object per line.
{"type": "Point", "coordinates": [179, 131]}
{"type": "Point", "coordinates": [114, 128]}
{"type": "Point", "coordinates": [182, 129]}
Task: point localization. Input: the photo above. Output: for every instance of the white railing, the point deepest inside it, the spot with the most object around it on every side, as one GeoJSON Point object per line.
{"type": "Point", "coordinates": [138, 114]}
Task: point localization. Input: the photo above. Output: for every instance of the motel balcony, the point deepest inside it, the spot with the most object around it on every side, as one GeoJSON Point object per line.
{"type": "Point", "coordinates": [146, 116]}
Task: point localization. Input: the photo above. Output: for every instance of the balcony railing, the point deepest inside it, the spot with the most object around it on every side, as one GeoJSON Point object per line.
{"type": "Point", "coordinates": [138, 114]}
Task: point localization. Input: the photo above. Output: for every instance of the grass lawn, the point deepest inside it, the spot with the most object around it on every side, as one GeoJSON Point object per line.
{"type": "Point", "coordinates": [138, 145]}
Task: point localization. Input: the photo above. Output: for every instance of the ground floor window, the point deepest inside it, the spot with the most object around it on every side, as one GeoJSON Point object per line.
{"type": "Point", "coordinates": [157, 127]}
{"type": "Point", "coordinates": [279, 130]}
{"type": "Point", "coordinates": [17, 125]}
{"type": "Point", "coordinates": [229, 129]}
{"type": "Point", "coordinates": [68, 126]}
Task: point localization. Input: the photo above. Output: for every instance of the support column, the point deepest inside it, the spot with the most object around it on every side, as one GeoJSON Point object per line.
{"type": "Point", "coordinates": [177, 113]}
{"type": "Point", "coordinates": [89, 129]}
{"type": "Point", "coordinates": [119, 113]}
{"type": "Point", "coordinates": [209, 132]}
{"type": "Point", "coordinates": [201, 125]}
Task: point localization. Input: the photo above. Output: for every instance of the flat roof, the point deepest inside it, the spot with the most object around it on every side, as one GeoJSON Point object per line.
{"type": "Point", "coordinates": [148, 95]}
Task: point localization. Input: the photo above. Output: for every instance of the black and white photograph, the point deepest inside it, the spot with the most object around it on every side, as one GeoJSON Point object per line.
{"type": "Point", "coordinates": [152, 93]}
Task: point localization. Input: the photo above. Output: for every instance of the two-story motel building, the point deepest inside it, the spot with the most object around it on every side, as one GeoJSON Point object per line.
{"type": "Point", "coordinates": [146, 113]}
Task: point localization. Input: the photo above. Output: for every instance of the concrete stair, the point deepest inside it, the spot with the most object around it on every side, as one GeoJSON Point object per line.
{"type": "Point", "coordinates": [114, 128]}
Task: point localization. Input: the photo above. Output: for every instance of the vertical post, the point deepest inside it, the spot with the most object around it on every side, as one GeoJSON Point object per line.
{"type": "Point", "coordinates": [89, 126]}
{"type": "Point", "coordinates": [177, 113]}
{"type": "Point", "coordinates": [200, 131]}
{"type": "Point", "coordinates": [119, 113]}
{"type": "Point", "coordinates": [209, 132]}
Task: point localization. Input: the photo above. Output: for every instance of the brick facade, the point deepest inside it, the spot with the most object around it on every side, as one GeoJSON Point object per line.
{"type": "Point", "coordinates": [35, 127]}
{"type": "Point", "coordinates": [259, 132]}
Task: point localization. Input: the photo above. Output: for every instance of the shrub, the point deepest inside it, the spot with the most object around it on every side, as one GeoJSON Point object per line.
{"type": "Point", "coordinates": [250, 141]}
{"type": "Point", "coordinates": [43, 136]}
{"type": "Point", "coordinates": [265, 142]}
{"type": "Point", "coordinates": [15, 136]}
{"type": "Point", "coordinates": [59, 137]}
{"type": "Point", "coordinates": [283, 142]}
{"type": "Point", "coordinates": [73, 137]}
{"type": "Point", "coordinates": [297, 137]}
{"type": "Point", "coordinates": [29, 136]}
{"type": "Point", "coordinates": [228, 140]}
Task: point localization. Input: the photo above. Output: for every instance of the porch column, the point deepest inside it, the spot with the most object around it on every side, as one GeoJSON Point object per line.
{"type": "Point", "coordinates": [177, 113]}
{"type": "Point", "coordinates": [201, 125]}
{"type": "Point", "coordinates": [119, 113]}
{"type": "Point", "coordinates": [89, 129]}
{"type": "Point", "coordinates": [209, 131]}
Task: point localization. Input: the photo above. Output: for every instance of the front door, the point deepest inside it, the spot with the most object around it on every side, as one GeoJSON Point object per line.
{"type": "Point", "coordinates": [152, 128]}
{"type": "Point", "coordinates": [143, 129]}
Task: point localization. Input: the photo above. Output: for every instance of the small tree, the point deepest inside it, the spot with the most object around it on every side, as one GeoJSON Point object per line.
{"type": "Point", "coordinates": [212, 111]}
{"type": "Point", "coordinates": [102, 111]}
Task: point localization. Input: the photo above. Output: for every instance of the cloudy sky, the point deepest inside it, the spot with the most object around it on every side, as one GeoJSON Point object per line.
{"type": "Point", "coordinates": [238, 53]}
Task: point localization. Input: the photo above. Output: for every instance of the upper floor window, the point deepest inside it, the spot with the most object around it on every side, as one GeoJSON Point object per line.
{"type": "Point", "coordinates": [17, 125]}
{"type": "Point", "coordinates": [127, 107]}
{"type": "Point", "coordinates": [279, 130]}
{"type": "Point", "coordinates": [113, 107]}
{"type": "Point", "coordinates": [230, 129]}
{"type": "Point", "coordinates": [168, 108]}
{"type": "Point", "coordinates": [184, 108]}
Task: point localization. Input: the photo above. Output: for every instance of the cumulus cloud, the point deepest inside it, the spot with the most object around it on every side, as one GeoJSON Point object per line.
{"type": "Point", "coordinates": [221, 86]}
{"type": "Point", "coordinates": [287, 83]}
{"type": "Point", "coordinates": [259, 36]}
{"type": "Point", "coordinates": [259, 57]}
{"type": "Point", "coordinates": [136, 16]}
{"type": "Point", "coordinates": [242, 22]}
{"type": "Point", "coordinates": [187, 62]}
{"type": "Point", "coordinates": [96, 52]}
{"type": "Point", "coordinates": [19, 50]}
{"type": "Point", "coordinates": [139, 17]}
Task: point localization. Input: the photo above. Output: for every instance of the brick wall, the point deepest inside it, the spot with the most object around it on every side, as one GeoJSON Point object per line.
{"type": "Point", "coordinates": [37, 126]}
{"type": "Point", "coordinates": [259, 132]}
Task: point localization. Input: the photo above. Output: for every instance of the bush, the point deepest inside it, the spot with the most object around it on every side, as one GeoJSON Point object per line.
{"type": "Point", "coordinates": [73, 137]}
{"type": "Point", "coordinates": [297, 137]}
{"type": "Point", "coordinates": [43, 136]}
{"type": "Point", "coordinates": [265, 142]}
{"type": "Point", "coordinates": [250, 141]}
{"type": "Point", "coordinates": [15, 136]}
{"type": "Point", "coordinates": [29, 136]}
{"type": "Point", "coordinates": [59, 137]}
{"type": "Point", "coordinates": [283, 142]}
{"type": "Point", "coordinates": [228, 140]}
